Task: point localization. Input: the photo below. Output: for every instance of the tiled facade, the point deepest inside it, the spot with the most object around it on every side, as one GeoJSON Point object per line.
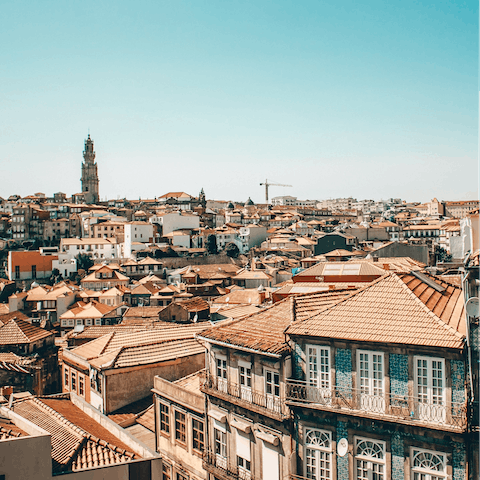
{"type": "Point", "coordinates": [398, 374]}
{"type": "Point", "coordinates": [343, 364]}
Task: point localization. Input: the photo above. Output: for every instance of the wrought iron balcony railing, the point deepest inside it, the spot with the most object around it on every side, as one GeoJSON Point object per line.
{"type": "Point", "coordinates": [221, 467]}
{"type": "Point", "coordinates": [245, 396]}
{"type": "Point", "coordinates": [405, 408]}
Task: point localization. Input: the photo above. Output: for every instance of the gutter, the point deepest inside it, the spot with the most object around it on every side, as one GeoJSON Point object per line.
{"type": "Point", "coordinates": [245, 349]}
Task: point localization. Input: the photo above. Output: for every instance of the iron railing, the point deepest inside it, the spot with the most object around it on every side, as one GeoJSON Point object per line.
{"type": "Point", "coordinates": [247, 396]}
{"type": "Point", "coordinates": [223, 467]}
{"type": "Point", "coordinates": [403, 407]}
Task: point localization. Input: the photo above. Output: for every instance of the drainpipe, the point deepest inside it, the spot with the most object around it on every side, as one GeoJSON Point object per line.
{"type": "Point", "coordinates": [469, 350]}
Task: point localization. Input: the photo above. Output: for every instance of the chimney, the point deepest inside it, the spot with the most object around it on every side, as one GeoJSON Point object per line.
{"type": "Point", "coordinates": [6, 391]}
{"type": "Point", "coordinates": [375, 259]}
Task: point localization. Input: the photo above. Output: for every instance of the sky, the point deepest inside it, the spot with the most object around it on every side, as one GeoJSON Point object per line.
{"type": "Point", "coordinates": [369, 99]}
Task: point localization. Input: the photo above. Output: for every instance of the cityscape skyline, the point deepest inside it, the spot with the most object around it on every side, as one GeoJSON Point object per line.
{"type": "Point", "coordinates": [369, 101]}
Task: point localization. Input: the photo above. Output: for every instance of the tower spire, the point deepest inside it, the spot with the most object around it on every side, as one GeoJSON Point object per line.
{"type": "Point", "coordinates": [89, 173]}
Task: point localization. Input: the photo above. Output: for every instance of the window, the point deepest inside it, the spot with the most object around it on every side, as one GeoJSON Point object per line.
{"type": "Point", "coordinates": [166, 471]}
{"type": "Point", "coordinates": [66, 378]}
{"type": "Point", "coordinates": [430, 389]}
{"type": "Point", "coordinates": [369, 459]}
{"type": "Point", "coordinates": [428, 465]}
{"type": "Point", "coordinates": [221, 365]}
{"type": "Point", "coordinates": [370, 375]}
{"type": "Point", "coordinates": [164, 418]}
{"type": "Point", "coordinates": [318, 447]}
{"type": "Point", "coordinates": [17, 271]}
{"type": "Point", "coordinates": [34, 271]}
{"type": "Point", "coordinates": [245, 380]}
{"type": "Point", "coordinates": [220, 436]}
{"type": "Point", "coordinates": [74, 381]}
{"type": "Point", "coordinates": [81, 385]}
{"type": "Point", "coordinates": [180, 427]}
{"type": "Point", "coordinates": [272, 390]}
{"type": "Point", "coordinates": [181, 476]}
{"type": "Point", "coordinates": [198, 435]}
{"type": "Point", "coordinates": [242, 441]}
{"type": "Point", "coordinates": [70, 322]}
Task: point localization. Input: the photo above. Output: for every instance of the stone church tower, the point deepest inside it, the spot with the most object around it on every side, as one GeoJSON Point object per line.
{"type": "Point", "coordinates": [89, 173]}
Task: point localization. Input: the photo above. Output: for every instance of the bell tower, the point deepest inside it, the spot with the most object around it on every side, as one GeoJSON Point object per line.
{"type": "Point", "coordinates": [89, 173]}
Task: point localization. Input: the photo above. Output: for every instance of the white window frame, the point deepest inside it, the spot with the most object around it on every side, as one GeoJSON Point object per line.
{"type": "Point", "coordinates": [371, 388]}
{"type": "Point", "coordinates": [220, 439]}
{"type": "Point", "coordinates": [319, 372]}
{"type": "Point", "coordinates": [245, 379]}
{"type": "Point", "coordinates": [272, 399]}
{"type": "Point", "coordinates": [221, 372]}
{"type": "Point", "coordinates": [369, 461]}
{"type": "Point", "coordinates": [419, 472]}
{"type": "Point", "coordinates": [430, 405]}
{"type": "Point", "coordinates": [318, 457]}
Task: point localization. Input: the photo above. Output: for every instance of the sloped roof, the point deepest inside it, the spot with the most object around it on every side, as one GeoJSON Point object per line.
{"type": "Point", "coordinates": [149, 353]}
{"type": "Point", "coordinates": [195, 304]}
{"type": "Point", "coordinates": [110, 346]}
{"type": "Point", "coordinates": [447, 305]}
{"type": "Point", "coordinates": [385, 311]}
{"type": "Point", "coordinates": [78, 441]}
{"type": "Point", "coordinates": [17, 331]}
{"type": "Point", "coordinates": [261, 331]}
{"type": "Point", "coordinates": [241, 297]}
{"type": "Point", "coordinates": [341, 268]}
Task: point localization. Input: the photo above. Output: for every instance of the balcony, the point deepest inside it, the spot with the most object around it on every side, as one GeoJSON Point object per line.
{"type": "Point", "coordinates": [405, 409]}
{"type": "Point", "coordinates": [268, 405]}
{"type": "Point", "coordinates": [222, 468]}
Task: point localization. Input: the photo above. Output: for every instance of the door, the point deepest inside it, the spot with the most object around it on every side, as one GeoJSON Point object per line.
{"type": "Point", "coordinates": [370, 374]}
{"type": "Point", "coordinates": [318, 374]}
{"type": "Point", "coordinates": [221, 371]}
{"type": "Point", "coordinates": [245, 380]}
{"type": "Point", "coordinates": [272, 390]}
{"type": "Point", "coordinates": [430, 386]}
{"type": "Point", "coordinates": [220, 439]}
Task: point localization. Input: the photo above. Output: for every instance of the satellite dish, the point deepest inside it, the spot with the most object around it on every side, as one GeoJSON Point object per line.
{"type": "Point", "coordinates": [342, 447]}
{"type": "Point", "coordinates": [472, 307]}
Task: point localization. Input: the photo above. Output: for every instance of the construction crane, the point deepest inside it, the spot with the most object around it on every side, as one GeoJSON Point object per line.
{"type": "Point", "coordinates": [272, 185]}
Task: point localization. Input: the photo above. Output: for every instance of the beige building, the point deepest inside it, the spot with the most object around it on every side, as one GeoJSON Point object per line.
{"type": "Point", "coordinates": [180, 426]}
{"type": "Point", "coordinates": [118, 368]}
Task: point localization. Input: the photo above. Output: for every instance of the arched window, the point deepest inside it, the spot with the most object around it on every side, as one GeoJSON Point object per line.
{"type": "Point", "coordinates": [369, 459]}
{"type": "Point", "coordinates": [318, 448]}
{"type": "Point", "coordinates": [428, 465]}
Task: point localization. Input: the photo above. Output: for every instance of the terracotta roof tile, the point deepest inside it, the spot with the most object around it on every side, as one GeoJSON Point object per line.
{"type": "Point", "coordinates": [384, 311]}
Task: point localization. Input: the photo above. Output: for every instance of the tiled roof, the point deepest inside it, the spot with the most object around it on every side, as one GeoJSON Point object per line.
{"type": "Point", "coordinates": [147, 354]}
{"type": "Point", "coordinates": [385, 311]}
{"type": "Point", "coordinates": [78, 442]}
{"type": "Point", "coordinates": [313, 304]}
{"type": "Point", "coordinates": [301, 288]}
{"type": "Point", "coordinates": [131, 411]}
{"type": "Point", "coordinates": [9, 430]}
{"type": "Point", "coordinates": [447, 305]}
{"type": "Point", "coordinates": [261, 331]}
{"type": "Point", "coordinates": [195, 304]}
{"type": "Point", "coordinates": [143, 312]}
{"type": "Point", "coordinates": [147, 419]}
{"type": "Point", "coordinates": [396, 264]}
{"type": "Point", "coordinates": [17, 331]}
{"type": "Point", "coordinates": [236, 312]}
{"type": "Point", "coordinates": [341, 269]}
{"type": "Point", "coordinates": [249, 296]}
{"type": "Point", "coordinates": [124, 349]}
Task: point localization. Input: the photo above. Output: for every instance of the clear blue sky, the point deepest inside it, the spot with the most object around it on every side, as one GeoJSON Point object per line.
{"type": "Point", "coordinates": [370, 99]}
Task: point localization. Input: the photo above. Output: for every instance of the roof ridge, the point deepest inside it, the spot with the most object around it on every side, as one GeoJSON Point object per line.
{"type": "Point", "coordinates": [428, 311]}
